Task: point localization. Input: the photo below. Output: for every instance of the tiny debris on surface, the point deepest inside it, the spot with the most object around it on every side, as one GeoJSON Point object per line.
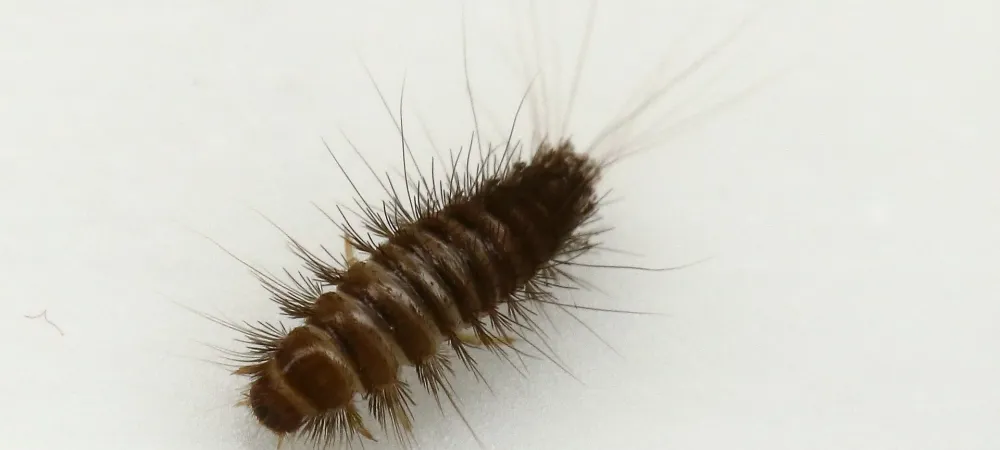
{"type": "Point", "coordinates": [45, 316]}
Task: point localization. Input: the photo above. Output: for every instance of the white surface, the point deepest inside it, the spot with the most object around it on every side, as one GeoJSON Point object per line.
{"type": "Point", "coordinates": [851, 210]}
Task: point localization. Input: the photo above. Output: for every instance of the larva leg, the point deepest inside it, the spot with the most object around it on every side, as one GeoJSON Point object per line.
{"type": "Point", "coordinates": [349, 252]}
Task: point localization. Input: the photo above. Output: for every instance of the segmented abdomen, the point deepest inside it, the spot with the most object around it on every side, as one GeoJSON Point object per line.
{"type": "Point", "coordinates": [448, 270]}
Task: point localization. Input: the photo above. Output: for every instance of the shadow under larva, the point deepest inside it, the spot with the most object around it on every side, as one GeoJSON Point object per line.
{"type": "Point", "coordinates": [440, 264]}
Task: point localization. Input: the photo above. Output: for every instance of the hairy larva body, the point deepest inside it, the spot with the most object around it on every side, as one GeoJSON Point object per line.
{"type": "Point", "coordinates": [452, 261]}
{"type": "Point", "coordinates": [460, 274]}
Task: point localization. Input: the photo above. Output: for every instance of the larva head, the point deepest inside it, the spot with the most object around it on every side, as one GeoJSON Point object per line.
{"type": "Point", "coordinates": [272, 409]}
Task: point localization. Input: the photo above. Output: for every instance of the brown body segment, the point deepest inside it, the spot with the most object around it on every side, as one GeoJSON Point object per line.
{"type": "Point", "coordinates": [363, 335]}
{"type": "Point", "coordinates": [505, 252]}
{"type": "Point", "coordinates": [314, 366]}
{"type": "Point", "coordinates": [421, 278]}
{"type": "Point", "coordinates": [446, 265]}
{"type": "Point", "coordinates": [475, 255]}
{"type": "Point", "coordinates": [273, 406]}
{"type": "Point", "coordinates": [529, 243]}
{"type": "Point", "coordinates": [413, 329]}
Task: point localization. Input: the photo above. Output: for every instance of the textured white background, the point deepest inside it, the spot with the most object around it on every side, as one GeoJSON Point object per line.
{"type": "Point", "coordinates": [851, 209]}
